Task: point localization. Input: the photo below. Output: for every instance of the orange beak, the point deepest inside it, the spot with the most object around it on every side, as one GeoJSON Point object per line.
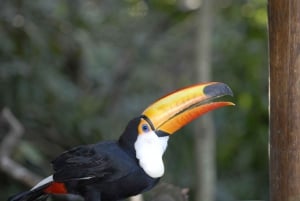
{"type": "Point", "coordinates": [177, 109]}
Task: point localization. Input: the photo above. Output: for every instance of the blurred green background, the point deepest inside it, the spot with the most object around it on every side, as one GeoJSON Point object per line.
{"type": "Point", "coordinates": [75, 72]}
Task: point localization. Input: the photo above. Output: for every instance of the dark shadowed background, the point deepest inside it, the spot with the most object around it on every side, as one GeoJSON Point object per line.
{"type": "Point", "coordinates": [75, 72]}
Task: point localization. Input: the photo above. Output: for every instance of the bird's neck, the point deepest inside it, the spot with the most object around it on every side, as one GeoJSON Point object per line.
{"type": "Point", "coordinates": [129, 137]}
{"type": "Point", "coordinates": [127, 146]}
{"type": "Point", "coordinates": [147, 149]}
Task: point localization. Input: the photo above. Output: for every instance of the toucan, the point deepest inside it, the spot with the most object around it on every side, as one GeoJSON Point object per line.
{"type": "Point", "coordinates": [115, 170]}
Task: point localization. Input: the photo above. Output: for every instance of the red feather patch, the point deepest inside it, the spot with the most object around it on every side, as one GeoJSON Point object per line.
{"type": "Point", "coordinates": [56, 188]}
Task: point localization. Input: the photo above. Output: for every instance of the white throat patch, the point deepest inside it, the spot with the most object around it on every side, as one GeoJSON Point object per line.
{"type": "Point", "coordinates": [149, 150]}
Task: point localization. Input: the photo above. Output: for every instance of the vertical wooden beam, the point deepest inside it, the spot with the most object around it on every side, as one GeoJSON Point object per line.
{"type": "Point", "coordinates": [284, 85]}
{"type": "Point", "coordinates": [204, 129]}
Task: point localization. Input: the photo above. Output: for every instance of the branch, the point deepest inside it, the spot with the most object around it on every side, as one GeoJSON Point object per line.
{"type": "Point", "coordinates": [138, 197]}
{"type": "Point", "coordinates": [169, 192]}
{"type": "Point", "coordinates": [10, 143]}
{"type": "Point", "coordinates": [165, 192]}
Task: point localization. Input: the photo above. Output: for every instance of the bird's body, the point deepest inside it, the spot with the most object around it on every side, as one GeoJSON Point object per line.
{"type": "Point", "coordinates": [114, 170]}
{"type": "Point", "coordinates": [109, 169]}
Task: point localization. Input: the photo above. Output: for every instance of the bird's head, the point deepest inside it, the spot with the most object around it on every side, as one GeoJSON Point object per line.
{"type": "Point", "coordinates": [149, 133]}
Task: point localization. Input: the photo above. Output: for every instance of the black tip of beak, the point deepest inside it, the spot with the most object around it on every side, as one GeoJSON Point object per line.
{"type": "Point", "coordinates": [217, 89]}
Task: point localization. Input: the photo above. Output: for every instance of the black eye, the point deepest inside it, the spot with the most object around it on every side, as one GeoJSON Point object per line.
{"type": "Point", "coordinates": [145, 128]}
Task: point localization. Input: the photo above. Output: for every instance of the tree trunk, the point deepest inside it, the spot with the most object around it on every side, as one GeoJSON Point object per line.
{"type": "Point", "coordinates": [284, 51]}
{"type": "Point", "coordinates": [204, 129]}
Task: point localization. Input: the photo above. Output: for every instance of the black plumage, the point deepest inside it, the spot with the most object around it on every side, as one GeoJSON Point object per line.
{"type": "Point", "coordinates": [108, 169]}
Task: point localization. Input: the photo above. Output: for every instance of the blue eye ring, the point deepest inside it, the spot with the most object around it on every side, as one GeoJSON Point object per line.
{"type": "Point", "coordinates": [145, 128]}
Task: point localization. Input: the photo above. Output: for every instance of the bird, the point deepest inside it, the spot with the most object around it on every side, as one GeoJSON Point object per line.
{"type": "Point", "coordinates": [132, 164]}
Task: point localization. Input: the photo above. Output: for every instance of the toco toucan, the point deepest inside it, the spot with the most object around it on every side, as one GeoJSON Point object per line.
{"type": "Point", "coordinates": [115, 170]}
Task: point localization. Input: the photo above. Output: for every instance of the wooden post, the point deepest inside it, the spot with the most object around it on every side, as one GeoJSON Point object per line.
{"type": "Point", "coordinates": [204, 128]}
{"type": "Point", "coordinates": [284, 50]}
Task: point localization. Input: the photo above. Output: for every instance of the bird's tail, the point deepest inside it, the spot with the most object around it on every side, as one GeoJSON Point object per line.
{"type": "Point", "coordinates": [41, 191]}
{"type": "Point", "coordinates": [37, 194]}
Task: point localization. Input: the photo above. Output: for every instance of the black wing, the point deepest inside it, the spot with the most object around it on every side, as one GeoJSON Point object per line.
{"type": "Point", "coordinates": [90, 161]}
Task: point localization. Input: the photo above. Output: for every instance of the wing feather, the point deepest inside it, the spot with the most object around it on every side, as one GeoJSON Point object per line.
{"type": "Point", "coordinates": [82, 162]}
{"type": "Point", "coordinates": [105, 161]}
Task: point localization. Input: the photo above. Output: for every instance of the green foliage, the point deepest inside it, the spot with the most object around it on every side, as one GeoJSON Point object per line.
{"type": "Point", "coordinates": [75, 72]}
{"type": "Point", "coordinates": [242, 51]}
